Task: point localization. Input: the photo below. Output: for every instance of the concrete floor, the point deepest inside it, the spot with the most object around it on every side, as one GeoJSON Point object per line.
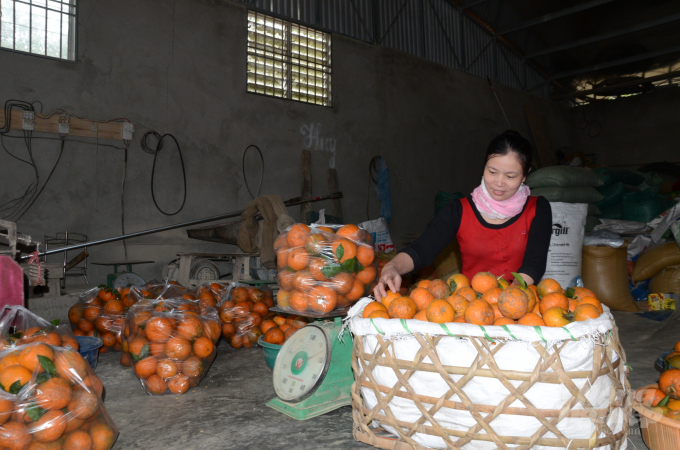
{"type": "Point", "coordinates": [227, 410]}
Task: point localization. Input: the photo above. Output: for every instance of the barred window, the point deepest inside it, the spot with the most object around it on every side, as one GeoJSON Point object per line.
{"type": "Point", "coordinates": [40, 27]}
{"type": "Point", "coordinates": [288, 60]}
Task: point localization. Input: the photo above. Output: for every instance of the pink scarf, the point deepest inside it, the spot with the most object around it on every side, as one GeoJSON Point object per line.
{"type": "Point", "coordinates": [493, 209]}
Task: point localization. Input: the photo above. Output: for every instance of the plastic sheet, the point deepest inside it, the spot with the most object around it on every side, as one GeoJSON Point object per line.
{"type": "Point", "coordinates": [171, 343]}
{"type": "Point", "coordinates": [242, 310]}
{"type": "Point", "coordinates": [19, 326]}
{"type": "Point", "coordinates": [564, 177]}
{"type": "Point", "coordinates": [51, 399]}
{"type": "Point", "coordinates": [324, 268]}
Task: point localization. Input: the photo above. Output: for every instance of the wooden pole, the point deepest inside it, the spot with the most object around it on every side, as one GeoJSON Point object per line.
{"type": "Point", "coordinates": [306, 208]}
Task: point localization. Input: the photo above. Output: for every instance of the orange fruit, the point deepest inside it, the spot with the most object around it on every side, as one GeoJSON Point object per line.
{"type": "Point", "coordinates": [553, 300]}
{"type": "Point", "coordinates": [423, 283]}
{"type": "Point", "coordinates": [303, 281]}
{"type": "Point", "coordinates": [652, 396]}
{"type": "Point", "coordinates": [289, 332]}
{"type": "Point", "coordinates": [421, 315]}
{"type": "Point", "coordinates": [286, 278]}
{"type": "Point", "coordinates": [267, 324]}
{"type": "Point", "coordinates": [492, 295]}
{"type": "Point", "coordinates": [166, 368]}
{"type": "Point", "coordinates": [158, 329]}
{"type": "Point", "coordinates": [457, 281]}
{"type": "Point", "coordinates": [203, 347]}
{"type": "Point", "coordinates": [421, 297]}
{"type": "Point", "coordinates": [192, 367]}
{"type": "Point", "coordinates": [49, 427]}
{"type": "Point", "coordinates": [479, 312]}
{"type": "Point", "coordinates": [555, 317]}
{"type": "Point", "coordinates": [366, 276]}
{"type": "Point", "coordinates": [440, 311]}
{"type": "Point", "coordinates": [92, 312]}
{"type": "Point", "coordinates": [29, 356]}
{"type": "Point", "coordinates": [348, 230]}
{"type": "Point", "coordinates": [365, 255]}
{"type": "Point", "coordinates": [531, 319]}
{"type": "Point", "coordinates": [342, 283]}
{"type": "Point", "coordinates": [548, 286]}
{"type": "Point", "coordinates": [298, 258]}
{"type": "Point", "coordinates": [177, 348]}
{"type": "Point", "coordinates": [593, 301]}
{"type": "Point", "coordinates": [156, 385]}
{"type": "Point", "coordinates": [54, 393]}
{"type": "Point", "coordinates": [674, 405]}
{"type": "Point", "coordinates": [343, 250]}
{"type": "Point", "coordinates": [326, 229]}
{"type": "Point", "coordinates": [190, 327]}
{"type": "Point", "coordinates": [586, 311]}
{"type": "Point", "coordinates": [467, 292]}
{"type": "Point", "coordinates": [459, 304]}
{"type": "Point", "coordinates": [356, 293]}
{"type": "Point", "coordinates": [380, 314]}
{"type": "Point", "coordinates": [297, 235]}
{"type": "Point", "coordinates": [83, 404]}
{"type": "Point", "coordinates": [240, 294]}
{"type": "Point", "coordinates": [75, 313]}
{"type": "Point", "coordinates": [677, 347]}
{"type": "Point", "coordinates": [497, 314]}
{"type": "Point", "coordinates": [85, 325]}
{"type": "Point", "coordinates": [513, 303]}
{"type": "Point", "coordinates": [504, 321]}
{"type": "Point", "coordinates": [439, 289]}
{"type": "Point", "coordinates": [669, 383]}
{"type": "Point", "coordinates": [103, 324]}
{"type": "Point", "coordinates": [373, 306]}
{"type": "Point", "coordinates": [282, 257]}
{"type": "Point", "coordinates": [78, 440]}
{"type": "Point", "coordinates": [323, 299]}
{"type": "Point", "coordinates": [16, 436]}
{"type": "Point", "coordinates": [483, 281]}
{"type": "Point", "coordinates": [402, 308]}
{"type": "Point", "coordinates": [102, 436]}
{"type": "Point", "coordinates": [389, 297]}
{"type": "Point", "coordinates": [315, 266]}
{"type": "Point", "coordinates": [146, 367]}
{"type": "Point", "coordinates": [572, 304]}
{"type": "Point", "coordinates": [13, 374]}
{"type": "Point", "coordinates": [6, 409]}
{"type": "Point", "coordinates": [315, 244]}
{"type": "Point", "coordinates": [274, 336]}
{"type": "Point", "coordinates": [114, 308]}
{"type": "Point", "coordinates": [580, 292]}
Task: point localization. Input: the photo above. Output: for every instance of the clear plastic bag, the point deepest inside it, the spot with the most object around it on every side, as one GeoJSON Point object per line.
{"type": "Point", "coordinates": [324, 267]}
{"type": "Point", "coordinates": [101, 312]}
{"type": "Point", "coordinates": [242, 310]}
{"type": "Point", "coordinates": [19, 326]}
{"type": "Point", "coordinates": [51, 398]}
{"type": "Point", "coordinates": [171, 343]}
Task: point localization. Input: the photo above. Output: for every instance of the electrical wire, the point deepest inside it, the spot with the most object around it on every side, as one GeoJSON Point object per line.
{"type": "Point", "coordinates": [61, 151]}
{"type": "Point", "coordinates": [499, 102]}
{"type": "Point", "coordinates": [155, 151]}
{"type": "Point", "coordinates": [243, 170]}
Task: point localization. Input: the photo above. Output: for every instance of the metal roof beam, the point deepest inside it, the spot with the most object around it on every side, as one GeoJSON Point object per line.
{"type": "Point", "coordinates": [600, 90]}
{"type": "Point", "coordinates": [473, 3]}
{"type": "Point", "coordinates": [551, 16]}
{"type": "Point", "coordinates": [604, 36]}
{"type": "Point", "coordinates": [617, 62]}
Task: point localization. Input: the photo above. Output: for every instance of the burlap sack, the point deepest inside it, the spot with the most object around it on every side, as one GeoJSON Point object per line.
{"type": "Point", "coordinates": [605, 272]}
{"type": "Point", "coordinates": [654, 260]}
{"type": "Point", "coordinates": [666, 281]}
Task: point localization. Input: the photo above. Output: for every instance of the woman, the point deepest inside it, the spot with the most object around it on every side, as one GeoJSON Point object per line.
{"type": "Point", "coordinates": [499, 227]}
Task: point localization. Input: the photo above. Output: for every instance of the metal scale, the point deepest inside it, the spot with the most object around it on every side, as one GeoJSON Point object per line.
{"type": "Point", "coordinates": [313, 372]}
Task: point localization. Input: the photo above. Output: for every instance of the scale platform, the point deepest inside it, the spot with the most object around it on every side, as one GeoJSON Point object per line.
{"type": "Point", "coordinates": [313, 372]}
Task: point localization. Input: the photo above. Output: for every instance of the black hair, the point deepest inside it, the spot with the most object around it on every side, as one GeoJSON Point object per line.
{"type": "Point", "coordinates": [511, 142]}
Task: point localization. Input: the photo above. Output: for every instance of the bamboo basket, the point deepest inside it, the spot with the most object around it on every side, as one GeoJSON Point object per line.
{"type": "Point", "coordinates": [658, 432]}
{"type": "Point", "coordinates": [482, 433]}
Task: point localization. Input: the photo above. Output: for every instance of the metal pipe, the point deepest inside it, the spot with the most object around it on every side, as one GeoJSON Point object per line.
{"type": "Point", "coordinates": [599, 90]}
{"type": "Point", "coordinates": [604, 36]}
{"type": "Point", "coordinates": [617, 62]}
{"type": "Point", "coordinates": [292, 202]}
{"type": "Point", "coordinates": [551, 16]}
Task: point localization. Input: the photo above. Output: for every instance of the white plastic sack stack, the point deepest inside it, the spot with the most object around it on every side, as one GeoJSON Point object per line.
{"type": "Point", "coordinates": [518, 354]}
{"type": "Point", "coordinates": [566, 242]}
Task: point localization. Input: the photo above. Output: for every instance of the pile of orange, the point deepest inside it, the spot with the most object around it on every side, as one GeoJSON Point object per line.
{"type": "Point", "coordinates": [242, 312]}
{"type": "Point", "coordinates": [665, 399]}
{"type": "Point", "coordinates": [29, 328]}
{"type": "Point", "coordinates": [489, 300]}
{"type": "Point", "coordinates": [59, 403]}
{"type": "Point", "coordinates": [321, 269]}
{"type": "Point", "coordinates": [278, 329]}
{"type": "Point", "coordinates": [170, 343]}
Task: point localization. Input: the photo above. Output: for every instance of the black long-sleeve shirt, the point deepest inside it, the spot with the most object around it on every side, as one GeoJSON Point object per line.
{"type": "Point", "coordinates": [445, 226]}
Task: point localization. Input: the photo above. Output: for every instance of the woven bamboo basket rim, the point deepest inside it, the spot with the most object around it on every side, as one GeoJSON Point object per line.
{"type": "Point", "coordinates": [544, 377]}
{"type": "Point", "coordinates": [484, 408]}
{"type": "Point", "coordinates": [516, 440]}
{"type": "Point", "coordinates": [648, 413]}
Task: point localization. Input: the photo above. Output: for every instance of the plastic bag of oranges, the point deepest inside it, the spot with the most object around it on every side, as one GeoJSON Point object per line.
{"type": "Point", "coordinates": [242, 310]}
{"type": "Point", "coordinates": [324, 267]}
{"type": "Point", "coordinates": [19, 326]}
{"type": "Point", "coordinates": [51, 398]}
{"type": "Point", "coordinates": [171, 343]}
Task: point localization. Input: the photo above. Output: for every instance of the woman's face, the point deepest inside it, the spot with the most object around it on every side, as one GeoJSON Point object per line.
{"type": "Point", "coordinates": [503, 176]}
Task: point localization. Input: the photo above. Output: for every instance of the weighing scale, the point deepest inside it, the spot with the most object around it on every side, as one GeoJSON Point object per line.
{"type": "Point", "coordinates": [117, 280]}
{"type": "Point", "coordinates": [313, 371]}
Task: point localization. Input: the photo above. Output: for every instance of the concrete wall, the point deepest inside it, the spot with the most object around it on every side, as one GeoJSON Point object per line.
{"type": "Point", "coordinates": [631, 131]}
{"type": "Point", "coordinates": [180, 67]}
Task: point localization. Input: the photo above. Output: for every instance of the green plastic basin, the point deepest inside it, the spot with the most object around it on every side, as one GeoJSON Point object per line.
{"type": "Point", "coordinates": [271, 351]}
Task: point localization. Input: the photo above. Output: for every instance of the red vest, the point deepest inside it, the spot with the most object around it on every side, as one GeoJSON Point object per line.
{"type": "Point", "coordinates": [499, 251]}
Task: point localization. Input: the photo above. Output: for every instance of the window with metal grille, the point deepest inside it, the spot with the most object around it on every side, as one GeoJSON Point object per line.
{"type": "Point", "coordinates": [288, 60]}
{"type": "Point", "coordinates": [40, 27]}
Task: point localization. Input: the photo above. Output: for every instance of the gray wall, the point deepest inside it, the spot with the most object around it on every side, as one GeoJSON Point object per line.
{"type": "Point", "coordinates": [179, 67]}
{"type": "Point", "coordinates": [632, 131]}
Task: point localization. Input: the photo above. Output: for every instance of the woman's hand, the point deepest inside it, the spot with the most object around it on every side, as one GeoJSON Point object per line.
{"type": "Point", "coordinates": [391, 275]}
